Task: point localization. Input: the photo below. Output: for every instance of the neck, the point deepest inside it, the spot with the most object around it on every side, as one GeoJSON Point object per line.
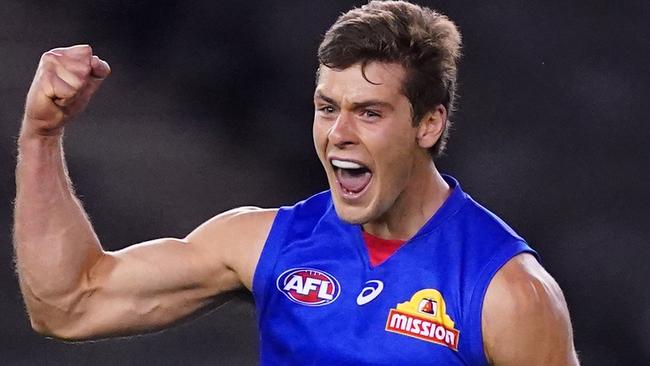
{"type": "Point", "coordinates": [420, 200]}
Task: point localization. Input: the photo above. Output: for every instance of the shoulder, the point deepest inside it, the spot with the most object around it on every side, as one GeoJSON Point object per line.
{"type": "Point", "coordinates": [487, 223]}
{"type": "Point", "coordinates": [525, 319]}
{"type": "Point", "coordinates": [302, 217]}
{"type": "Point", "coordinates": [240, 222]}
{"type": "Point", "coordinates": [237, 237]}
{"type": "Point", "coordinates": [318, 203]}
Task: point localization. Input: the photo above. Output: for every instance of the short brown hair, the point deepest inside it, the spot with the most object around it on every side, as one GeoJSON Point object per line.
{"type": "Point", "coordinates": [425, 42]}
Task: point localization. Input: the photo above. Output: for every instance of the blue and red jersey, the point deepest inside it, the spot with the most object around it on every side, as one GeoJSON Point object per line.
{"type": "Point", "coordinates": [321, 302]}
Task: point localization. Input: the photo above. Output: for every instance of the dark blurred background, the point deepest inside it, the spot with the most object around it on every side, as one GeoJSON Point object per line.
{"type": "Point", "coordinates": [209, 107]}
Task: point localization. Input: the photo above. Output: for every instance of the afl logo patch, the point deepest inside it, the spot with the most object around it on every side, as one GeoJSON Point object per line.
{"type": "Point", "coordinates": [309, 286]}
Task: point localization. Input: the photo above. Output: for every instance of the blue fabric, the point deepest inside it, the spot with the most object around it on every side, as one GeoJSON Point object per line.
{"type": "Point", "coordinates": [457, 252]}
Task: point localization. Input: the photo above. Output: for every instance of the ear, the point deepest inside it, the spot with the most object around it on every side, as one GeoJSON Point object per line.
{"type": "Point", "coordinates": [431, 127]}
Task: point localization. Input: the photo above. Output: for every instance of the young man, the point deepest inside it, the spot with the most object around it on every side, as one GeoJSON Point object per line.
{"type": "Point", "coordinates": [395, 264]}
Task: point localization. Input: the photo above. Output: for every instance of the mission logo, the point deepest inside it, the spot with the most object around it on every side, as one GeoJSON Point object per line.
{"type": "Point", "coordinates": [309, 286]}
{"type": "Point", "coordinates": [424, 317]}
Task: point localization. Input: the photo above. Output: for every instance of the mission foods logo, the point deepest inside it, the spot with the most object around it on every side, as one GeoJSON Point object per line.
{"type": "Point", "coordinates": [308, 286]}
{"type": "Point", "coordinates": [424, 317]}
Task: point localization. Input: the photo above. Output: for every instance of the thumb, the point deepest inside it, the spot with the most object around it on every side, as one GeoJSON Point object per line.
{"type": "Point", "coordinates": [99, 68]}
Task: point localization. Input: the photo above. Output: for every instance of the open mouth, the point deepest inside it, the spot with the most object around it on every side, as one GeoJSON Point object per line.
{"type": "Point", "coordinates": [353, 177]}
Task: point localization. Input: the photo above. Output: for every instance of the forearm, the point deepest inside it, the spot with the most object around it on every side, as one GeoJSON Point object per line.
{"type": "Point", "coordinates": [54, 241]}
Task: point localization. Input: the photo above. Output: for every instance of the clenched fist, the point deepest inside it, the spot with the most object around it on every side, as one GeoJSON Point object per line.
{"type": "Point", "coordinates": [65, 81]}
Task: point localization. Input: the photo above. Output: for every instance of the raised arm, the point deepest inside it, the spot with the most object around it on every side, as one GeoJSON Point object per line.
{"type": "Point", "coordinates": [525, 318]}
{"type": "Point", "coordinates": [74, 289]}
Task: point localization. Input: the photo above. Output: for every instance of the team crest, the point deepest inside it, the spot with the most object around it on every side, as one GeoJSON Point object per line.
{"type": "Point", "coordinates": [308, 286]}
{"type": "Point", "coordinates": [424, 317]}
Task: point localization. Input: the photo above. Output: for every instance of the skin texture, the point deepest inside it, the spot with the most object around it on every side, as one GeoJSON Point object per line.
{"type": "Point", "coordinates": [72, 288]}
{"type": "Point", "coordinates": [525, 317]}
{"type": "Point", "coordinates": [75, 290]}
{"type": "Point", "coordinates": [372, 124]}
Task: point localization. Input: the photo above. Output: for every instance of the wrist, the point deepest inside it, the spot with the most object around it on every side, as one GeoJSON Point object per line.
{"type": "Point", "coordinates": [30, 133]}
{"type": "Point", "coordinates": [32, 137]}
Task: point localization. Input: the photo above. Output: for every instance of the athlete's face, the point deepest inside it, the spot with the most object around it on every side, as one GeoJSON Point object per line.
{"type": "Point", "coordinates": [365, 139]}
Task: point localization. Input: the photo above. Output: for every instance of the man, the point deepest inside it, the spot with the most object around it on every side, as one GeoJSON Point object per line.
{"type": "Point", "coordinates": [395, 264]}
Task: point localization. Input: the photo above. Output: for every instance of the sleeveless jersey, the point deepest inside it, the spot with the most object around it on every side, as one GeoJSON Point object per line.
{"type": "Point", "coordinates": [320, 302]}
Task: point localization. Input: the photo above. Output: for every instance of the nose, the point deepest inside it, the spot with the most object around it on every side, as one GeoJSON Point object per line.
{"type": "Point", "coordinates": [343, 132]}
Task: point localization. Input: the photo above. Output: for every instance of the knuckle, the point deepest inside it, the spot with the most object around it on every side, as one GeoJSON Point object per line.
{"type": "Point", "coordinates": [49, 57]}
{"type": "Point", "coordinates": [47, 74]}
{"type": "Point", "coordinates": [85, 69]}
{"type": "Point", "coordinates": [84, 47]}
{"type": "Point", "coordinates": [47, 78]}
{"type": "Point", "coordinates": [82, 50]}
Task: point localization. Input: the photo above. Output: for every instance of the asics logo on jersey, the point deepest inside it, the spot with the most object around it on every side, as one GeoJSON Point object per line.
{"type": "Point", "coordinates": [372, 289]}
{"type": "Point", "coordinates": [309, 286]}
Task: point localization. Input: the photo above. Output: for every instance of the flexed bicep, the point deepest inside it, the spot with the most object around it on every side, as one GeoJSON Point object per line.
{"type": "Point", "coordinates": [154, 284]}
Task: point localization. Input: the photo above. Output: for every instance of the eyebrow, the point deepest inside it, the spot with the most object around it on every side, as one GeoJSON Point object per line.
{"type": "Point", "coordinates": [320, 95]}
{"type": "Point", "coordinates": [356, 105]}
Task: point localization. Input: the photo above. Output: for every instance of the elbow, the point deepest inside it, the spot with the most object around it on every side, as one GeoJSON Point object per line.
{"type": "Point", "coordinates": [44, 328]}
{"type": "Point", "coordinates": [60, 312]}
{"type": "Point", "coordinates": [56, 322]}
{"type": "Point", "coordinates": [39, 326]}
{"type": "Point", "coordinates": [47, 328]}
{"type": "Point", "coordinates": [61, 332]}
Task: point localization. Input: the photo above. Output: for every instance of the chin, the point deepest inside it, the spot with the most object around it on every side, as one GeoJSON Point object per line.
{"type": "Point", "coordinates": [352, 215]}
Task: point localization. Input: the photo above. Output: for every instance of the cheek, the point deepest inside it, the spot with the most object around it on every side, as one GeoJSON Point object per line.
{"type": "Point", "coordinates": [395, 156]}
{"type": "Point", "coordinates": [395, 132]}
{"type": "Point", "coordinates": [319, 133]}
{"type": "Point", "coordinates": [393, 145]}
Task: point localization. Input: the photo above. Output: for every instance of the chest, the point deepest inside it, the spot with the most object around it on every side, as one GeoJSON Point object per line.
{"type": "Point", "coordinates": [329, 306]}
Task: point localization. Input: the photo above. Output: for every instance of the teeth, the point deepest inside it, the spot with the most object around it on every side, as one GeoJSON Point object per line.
{"type": "Point", "coordinates": [344, 164]}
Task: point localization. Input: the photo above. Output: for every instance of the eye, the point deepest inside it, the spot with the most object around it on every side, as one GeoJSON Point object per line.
{"type": "Point", "coordinates": [371, 114]}
{"type": "Point", "coordinates": [326, 110]}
